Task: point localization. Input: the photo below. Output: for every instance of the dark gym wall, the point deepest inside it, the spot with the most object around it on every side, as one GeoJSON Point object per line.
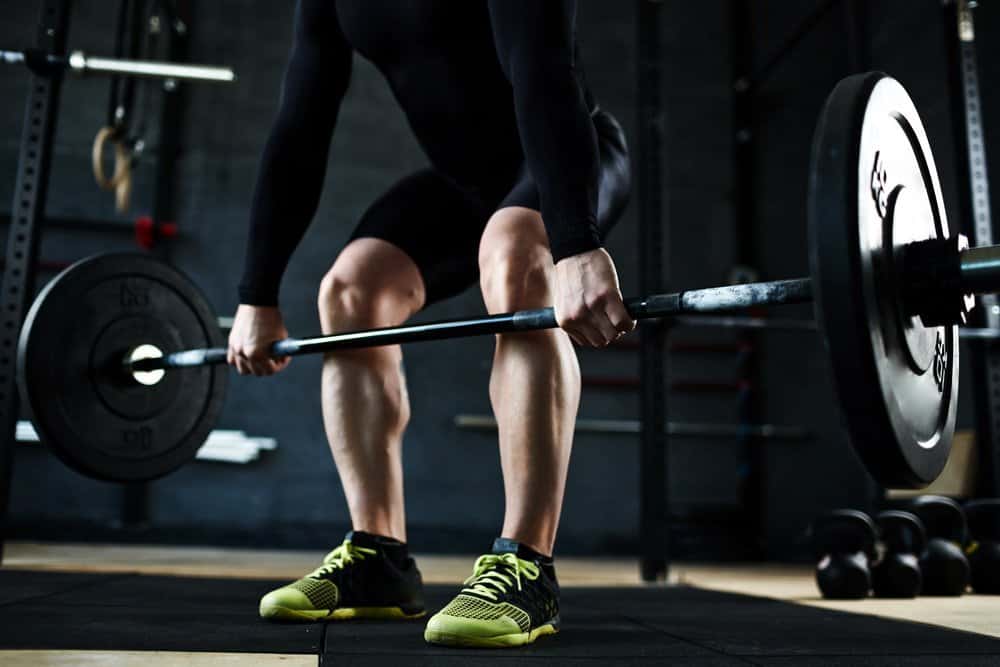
{"type": "Point", "coordinates": [291, 497]}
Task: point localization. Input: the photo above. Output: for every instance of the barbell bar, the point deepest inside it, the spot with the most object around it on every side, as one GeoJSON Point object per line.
{"type": "Point", "coordinates": [795, 324]}
{"type": "Point", "coordinates": [713, 299]}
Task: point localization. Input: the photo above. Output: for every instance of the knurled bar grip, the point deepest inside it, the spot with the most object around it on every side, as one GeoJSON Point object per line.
{"type": "Point", "coordinates": [712, 299]}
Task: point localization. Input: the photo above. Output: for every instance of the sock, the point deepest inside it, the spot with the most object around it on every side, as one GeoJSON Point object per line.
{"type": "Point", "coordinates": [502, 545]}
{"type": "Point", "coordinates": [397, 552]}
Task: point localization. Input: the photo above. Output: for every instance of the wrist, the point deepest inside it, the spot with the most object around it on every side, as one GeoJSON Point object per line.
{"type": "Point", "coordinates": [582, 257]}
{"type": "Point", "coordinates": [258, 298]}
{"type": "Point", "coordinates": [259, 308]}
{"type": "Point", "coordinates": [569, 247]}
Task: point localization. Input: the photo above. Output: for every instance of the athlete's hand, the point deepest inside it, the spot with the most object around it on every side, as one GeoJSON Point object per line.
{"type": "Point", "coordinates": [588, 300]}
{"type": "Point", "coordinates": [254, 329]}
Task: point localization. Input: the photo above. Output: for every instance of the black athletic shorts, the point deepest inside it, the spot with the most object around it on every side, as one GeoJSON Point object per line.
{"type": "Point", "coordinates": [448, 259]}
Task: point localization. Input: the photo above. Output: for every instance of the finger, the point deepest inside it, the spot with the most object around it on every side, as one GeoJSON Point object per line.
{"type": "Point", "coordinates": [579, 342]}
{"type": "Point", "coordinates": [572, 330]}
{"type": "Point", "coordinates": [241, 365]}
{"type": "Point", "coordinates": [590, 334]}
{"type": "Point", "coordinates": [269, 365]}
{"type": "Point", "coordinates": [618, 314]}
{"type": "Point", "coordinates": [260, 367]}
{"type": "Point", "coordinates": [605, 331]}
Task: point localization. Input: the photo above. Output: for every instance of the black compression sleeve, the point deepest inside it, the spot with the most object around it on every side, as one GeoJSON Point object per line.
{"type": "Point", "coordinates": [535, 44]}
{"type": "Point", "coordinates": [293, 165]}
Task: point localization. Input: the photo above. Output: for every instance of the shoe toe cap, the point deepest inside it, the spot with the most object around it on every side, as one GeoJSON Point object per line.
{"type": "Point", "coordinates": [283, 598]}
{"type": "Point", "coordinates": [446, 624]}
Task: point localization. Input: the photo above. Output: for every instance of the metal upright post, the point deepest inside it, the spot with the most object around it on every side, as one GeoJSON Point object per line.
{"type": "Point", "coordinates": [174, 25]}
{"type": "Point", "coordinates": [654, 527]}
{"type": "Point", "coordinates": [171, 117]}
{"type": "Point", "coordinates": [974, 207]}
{"type": "Point", "coordinates": [753, 491]}
{"type": "Point", "coordinates": [28, 211]}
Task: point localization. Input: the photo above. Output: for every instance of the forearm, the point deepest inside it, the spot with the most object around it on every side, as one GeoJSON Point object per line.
{"type": "Point", "coordinates": [293, 164]}
{"type": "Point", "coordinates": [560, 145]}
{"type": "Point", "coordinates": [289, 184]}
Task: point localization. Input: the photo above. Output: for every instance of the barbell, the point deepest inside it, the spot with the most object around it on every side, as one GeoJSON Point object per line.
{"type": "Point", "coordinates": [121, 358]}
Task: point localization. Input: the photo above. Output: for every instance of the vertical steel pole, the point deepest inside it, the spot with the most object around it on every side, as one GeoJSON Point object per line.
{"type": "Point", "coordinates": [175, 26]}
{"type": "Point", "coordinates": [28, 211]}
{"type": "Point", "coordinates": [654, 527]}
{"type": "Point", "coordinates": [974, 206]}
{"type": "Point", "coordinates": [752, 468]}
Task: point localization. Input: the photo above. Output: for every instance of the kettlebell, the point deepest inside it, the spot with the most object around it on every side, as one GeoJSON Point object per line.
{"type": "Point", "coordinates": [897, 573]}
{"type": "Point", "coordinates": [943, 563]}
{"type": "Point", "coordinates": [844, 542]}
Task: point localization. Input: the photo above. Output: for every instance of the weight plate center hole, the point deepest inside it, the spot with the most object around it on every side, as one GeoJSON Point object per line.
{"type": "Point", "coordinates": [145, 351]}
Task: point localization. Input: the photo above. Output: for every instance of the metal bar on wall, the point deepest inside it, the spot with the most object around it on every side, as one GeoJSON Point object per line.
{"type": "Point", "coordinates": [30, 188]}
{"type": "Point", "coordinates": [654, 493]}
{"type": "Point", "coordinates": [974, 205]}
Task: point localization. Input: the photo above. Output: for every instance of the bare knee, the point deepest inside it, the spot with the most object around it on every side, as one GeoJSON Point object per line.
{"type": "Point", "coordinates": [515, 264]}
{"type": "Point", "coordinates": [372, 284]}
{"type": "Point", "coordinates": [345, 302]}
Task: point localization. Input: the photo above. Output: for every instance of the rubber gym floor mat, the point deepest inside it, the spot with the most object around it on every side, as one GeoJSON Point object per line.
{"type": "Point", "coordinates": [40, 610]}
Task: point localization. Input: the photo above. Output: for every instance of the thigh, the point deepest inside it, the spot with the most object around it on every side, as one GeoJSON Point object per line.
{"type": "Point", "coordinates": [436, 224]}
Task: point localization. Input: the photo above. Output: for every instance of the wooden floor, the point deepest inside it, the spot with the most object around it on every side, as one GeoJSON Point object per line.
{"type": "Point", "coordinates": [972, 613]}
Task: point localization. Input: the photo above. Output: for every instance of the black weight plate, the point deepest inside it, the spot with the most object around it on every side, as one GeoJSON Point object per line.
{"type": "Point", "coordinates": [70, 352]}
{"type": "Point", "coordinates": [873, 187]}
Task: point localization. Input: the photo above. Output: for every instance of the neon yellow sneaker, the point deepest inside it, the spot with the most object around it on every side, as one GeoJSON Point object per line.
{"type": "Point", "coordinates": [508, 601]}
{"type": "Point", "coordinates": [367, 576]}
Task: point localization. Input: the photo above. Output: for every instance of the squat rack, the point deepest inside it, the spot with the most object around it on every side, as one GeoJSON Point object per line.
{"type": "Point", "coordinates": [28, 210]}
{"type": "Point", "coordinates": [48, 61]}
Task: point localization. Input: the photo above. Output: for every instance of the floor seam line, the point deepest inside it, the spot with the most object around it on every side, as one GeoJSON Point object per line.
{"type": "Point", "coordinates": [661, 631]}
{"type": "Point", "coordinates": [71, 589]}
{"type": "Point", "coordinates": [322, 645]}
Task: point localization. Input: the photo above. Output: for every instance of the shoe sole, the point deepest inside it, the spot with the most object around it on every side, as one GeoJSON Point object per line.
{"type": "Point", "coordinates": [339, 614]}
{"type": "Point", "coordinates": [499, 641]}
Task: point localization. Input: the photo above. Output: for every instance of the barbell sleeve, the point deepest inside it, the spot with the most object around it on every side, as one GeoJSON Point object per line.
{"type": "Point", "coordinates": [712, 299]}
{"type": "Point", "coordinates": [980, 269]}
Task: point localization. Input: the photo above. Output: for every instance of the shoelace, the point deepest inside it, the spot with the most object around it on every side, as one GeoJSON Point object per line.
{"type": "Point", "coordinates": [494, 574]}
{"type": "Point", "coordinates": [341, 556]}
